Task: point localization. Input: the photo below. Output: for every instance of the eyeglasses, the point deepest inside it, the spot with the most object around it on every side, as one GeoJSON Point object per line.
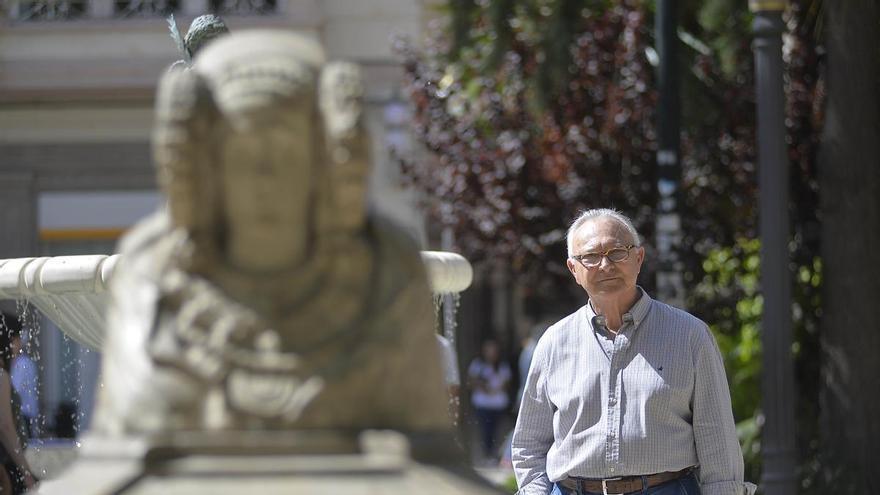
{"type": "Point", "coordinates": [614, 255]}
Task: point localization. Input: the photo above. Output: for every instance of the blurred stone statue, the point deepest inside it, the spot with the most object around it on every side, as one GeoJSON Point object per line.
{"type": "Point", "coordinates": [266, 296]}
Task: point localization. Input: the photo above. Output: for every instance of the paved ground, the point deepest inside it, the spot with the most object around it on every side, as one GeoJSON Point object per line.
{"type": "Point", "coordinates": [498, 476]}
{"type": "Point", "coordinates": [495, 470]}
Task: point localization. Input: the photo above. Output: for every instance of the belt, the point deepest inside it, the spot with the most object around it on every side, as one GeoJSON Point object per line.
{"type": "Point", "coordinates": [624, 485]}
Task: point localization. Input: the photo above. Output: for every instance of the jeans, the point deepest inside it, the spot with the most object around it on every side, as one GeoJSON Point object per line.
{"type": "Point", "coordinates": [686, 485]}
{"type": "Point", "coordinates": [488, 420]}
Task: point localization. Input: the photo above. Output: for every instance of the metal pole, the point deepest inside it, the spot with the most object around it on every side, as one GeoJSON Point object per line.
{"type": "Point", "coordinates": [777, 388]}
{"type": "Point", "coordinates": [670, 288]}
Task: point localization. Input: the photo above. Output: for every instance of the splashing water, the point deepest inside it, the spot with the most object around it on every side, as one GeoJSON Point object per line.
{"type": "Point", "coordinates": [451, 303]}
{"type": "Point", "coordinates": [438, 307]}
{"type": "Point", "coordinates": [446, 324]}
{"type": "Point", "coordinates": [52, 387]}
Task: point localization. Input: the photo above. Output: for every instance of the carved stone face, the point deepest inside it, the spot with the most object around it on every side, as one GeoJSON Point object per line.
{"type": "Point", "coordinates": [266, 130]}
{"type": "Point", "coordinates": [266, 172]}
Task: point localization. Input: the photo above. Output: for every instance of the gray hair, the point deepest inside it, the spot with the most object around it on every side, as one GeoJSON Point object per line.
{"type": "Point", "coordinates": [599, 213]}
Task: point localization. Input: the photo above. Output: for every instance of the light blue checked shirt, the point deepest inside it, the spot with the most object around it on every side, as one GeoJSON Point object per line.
{"type": "Point", "coordinates": [654, 399]}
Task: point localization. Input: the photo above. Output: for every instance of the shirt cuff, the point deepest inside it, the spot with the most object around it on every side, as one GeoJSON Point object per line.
{"type": "Point", "coordinates": [728, 488]}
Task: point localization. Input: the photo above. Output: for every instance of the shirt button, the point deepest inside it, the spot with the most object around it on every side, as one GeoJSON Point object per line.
{"type": "Point", "coordinates": [612, 470]}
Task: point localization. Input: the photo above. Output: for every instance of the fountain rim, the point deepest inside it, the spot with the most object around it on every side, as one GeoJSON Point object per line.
{"type": "Point", "coordinates": [25, 278]}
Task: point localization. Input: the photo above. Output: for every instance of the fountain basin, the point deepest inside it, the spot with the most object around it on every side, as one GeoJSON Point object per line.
{"type": "Point", "coordinates": [72, 291]}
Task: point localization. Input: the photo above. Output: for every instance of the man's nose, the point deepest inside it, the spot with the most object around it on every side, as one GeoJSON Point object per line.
{"type": "Point", "coordinates": [604, 262]}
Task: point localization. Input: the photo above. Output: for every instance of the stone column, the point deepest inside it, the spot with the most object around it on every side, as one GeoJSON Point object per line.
{"type": "Point", "coordinates": [100, 9]}
{"type": "Point", "coordinates": [194, 8]}
{"type": "Point", "coordinates": [18, 216]}
{"type": "Point", "coordinates": [12, 10]}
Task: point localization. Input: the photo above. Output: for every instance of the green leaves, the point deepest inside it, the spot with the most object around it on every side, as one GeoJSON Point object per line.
{"type": "Point", "coordinates": [729, 299]}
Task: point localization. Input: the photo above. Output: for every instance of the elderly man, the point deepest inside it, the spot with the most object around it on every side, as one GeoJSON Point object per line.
{"type": "Point", "coordinates": [627, 394]}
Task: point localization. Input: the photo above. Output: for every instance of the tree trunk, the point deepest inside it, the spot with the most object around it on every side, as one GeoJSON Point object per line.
{"type": "Point", "coordinates": [850, 185]}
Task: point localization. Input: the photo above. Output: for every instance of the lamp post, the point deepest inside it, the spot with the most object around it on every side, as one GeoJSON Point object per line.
{"type": "Point", "coordinates": [777, 387]}
{"type": "Point", "coordinates": [670, 288]}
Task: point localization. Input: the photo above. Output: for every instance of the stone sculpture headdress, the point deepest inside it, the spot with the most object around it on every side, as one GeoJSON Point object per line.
{"type": "Point", "coordinates": [188, 103]}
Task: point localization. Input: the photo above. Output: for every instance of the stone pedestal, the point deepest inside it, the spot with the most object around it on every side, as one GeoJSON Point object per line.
{"type": "Point", "coordinates": [268, 463]}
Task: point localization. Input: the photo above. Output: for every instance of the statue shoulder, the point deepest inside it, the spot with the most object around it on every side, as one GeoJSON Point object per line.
{"type": "Point", "coordinates": [148, 248]}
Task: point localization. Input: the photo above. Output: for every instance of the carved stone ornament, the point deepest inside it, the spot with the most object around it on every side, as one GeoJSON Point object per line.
{"type": "Point", "coordinates": [266, 296]}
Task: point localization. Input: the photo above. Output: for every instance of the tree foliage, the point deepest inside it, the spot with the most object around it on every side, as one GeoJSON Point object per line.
{"type": "Point", "coordinates": [514, 163]}
{"type": "Point", "coordinates": [536, 109]}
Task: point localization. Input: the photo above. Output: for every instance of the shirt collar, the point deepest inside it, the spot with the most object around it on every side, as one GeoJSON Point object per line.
{"type": "Point", "coordinates": [635, 315]}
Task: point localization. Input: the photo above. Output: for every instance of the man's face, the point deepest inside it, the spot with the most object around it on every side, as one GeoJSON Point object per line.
{"type": "Point", "coordinates": [490, 351]}
{"type": "Point", "coordinates": [607, 278]}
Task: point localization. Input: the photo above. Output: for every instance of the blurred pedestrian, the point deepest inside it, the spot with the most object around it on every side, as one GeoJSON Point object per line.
{"type": "Point", "coordinates": [489, 379]}
{"type": "Point", "coordinates": [15, 475]}
{"type": "Point", "coordinates": [525, 357]}
{"type": "Point", "coordinates": [25, 378]}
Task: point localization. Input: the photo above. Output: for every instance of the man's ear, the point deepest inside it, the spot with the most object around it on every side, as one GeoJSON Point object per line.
{"type": "Point", "coordinates": [572, 267]}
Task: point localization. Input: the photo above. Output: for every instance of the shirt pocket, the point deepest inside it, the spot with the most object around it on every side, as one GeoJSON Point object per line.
{"type": "Point", "coordinates": [659, 388]}
{"type": "Point", "coordinates": [577, 394]}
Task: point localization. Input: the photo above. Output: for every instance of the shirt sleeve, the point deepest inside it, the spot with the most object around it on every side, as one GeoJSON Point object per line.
{"type": "Point", "coordinates": [475, 369]}
{"type": "Point", "coordinates": [24, 380]}
{"type": "Point", "coordinates": [506, 374]}
{"type": "Point", "coordinates": [533, 433]}
{"type": "Point", "coordinates": [718, 449]}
